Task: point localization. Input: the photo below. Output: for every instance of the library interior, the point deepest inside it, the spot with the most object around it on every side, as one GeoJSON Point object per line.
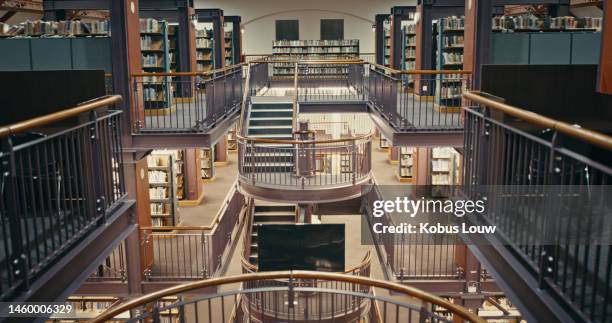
{"type": "Point", "coordinates": [229, 161]}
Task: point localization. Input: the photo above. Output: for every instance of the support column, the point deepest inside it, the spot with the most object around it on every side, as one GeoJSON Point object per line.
{"type": "Point", "coordinates": [605, 63]}
{"type": "Point", "coordinates": [393, 157]}
{"type": "Point", "coordinates": [186, 45]}
{"type": "Point", "coordinates": [380, 39]}
{"type": "Point", "coordinates": [477, 37]}
{"type": "Point", "coordinates": [221, 152]}
{"type": "Point", "coordinates": [194, 192]}
{"type": "Point", "coordinates": [422, 169]}
{"type": "Point", "coordinates": [126, 59]}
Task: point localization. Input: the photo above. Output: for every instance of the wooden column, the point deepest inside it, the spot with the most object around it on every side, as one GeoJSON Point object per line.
{"type": "Point", "coordinates": [422, 171]}
{"type": "Point", "coordinates": [221, 152]}
{"type": "Point", "coordinates": [194, 192]}
{"type": "Point", "coordinates": [605, 63]}
{"type": "Point", "coordinates": [393, 157]}
{"type": "Point", "coordinates": [477, 37]}
{"type": "Point", "coordinates": [143, 206]}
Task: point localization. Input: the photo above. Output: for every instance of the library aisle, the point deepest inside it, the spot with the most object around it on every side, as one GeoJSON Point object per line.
{"type": "Point", "coordinates": [215, 192]}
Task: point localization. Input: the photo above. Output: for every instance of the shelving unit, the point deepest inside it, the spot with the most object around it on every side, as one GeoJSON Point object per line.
{"type": "Point", "coordinates": [383, 143]}
{"type": "Point", "coordinates": [179, 173]}
{"type": "Point", "coordinates": [445, 166]}
{"type": "Point", "coordinates": [314, 49]}
{"type": "Point", "coordinates": [156, 57]}
{"type": "Point", "coordinates": [449, 57]}
{"type": "Point", "coordinates": [232, 144]}
{"type": "Point", "coordinates": [409, 51]}
{"type": "Point", "coordinates": [171, 315]}
{"type": "Point", "coordinates": [387, 42]}
{"type": "Point", "coordinates": [345, 163]}
{"type": "Point", "coordinates": [162, 189]}
{"type": "Point", "coordinates": [174, 51]}
{"type": "Point", "coordinates": [204, 48]}
{"type": "Point", "coordinates": [406, 171]}
{"type": "Point", "coordinates": [207, 163]}
{"type": "Point", "coordinates": [229, 44]}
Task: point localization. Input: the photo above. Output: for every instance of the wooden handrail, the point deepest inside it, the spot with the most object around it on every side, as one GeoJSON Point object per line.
{"type": "Point", "coordinates": [589, 136]}
{"type": "Point", "coordinates": [419, 72]}
{"type": "Point", "coordinates": [209, 73]}
{"type": "Point", "coordinates": [304, 142]}
{"type": "Point", "coordinates": [218, 281]}
{"type": "Point", "coordinates": [245, 95]}
{"type": "Point", "coordinates": [38, 122]}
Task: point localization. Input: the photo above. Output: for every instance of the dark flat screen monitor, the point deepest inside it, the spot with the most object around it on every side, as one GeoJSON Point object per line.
{"type": "Point", "coordinates": [318, 247]}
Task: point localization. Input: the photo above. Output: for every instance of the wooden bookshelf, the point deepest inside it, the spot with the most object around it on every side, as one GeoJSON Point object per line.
{"type": "Point", "coordinates": [207, 163]}
{"type": "Point", "coordinates": [383, 143]}
{"type": "Point", "coordinates": [444, 166]}
{"type": "Point", "coordinates": [406, 171]}
{"type": "Point", "coordinates": [155, 48]}
{"type": "Point", "coordinates": [204, 48]}
{"type": "Point", "coordinates": [314, 49]}
{"type": "Point", "coordinates": [387, 42]}
{"type": "Point", "coordinates": [232, 144]}
{"type": "Point", "coordinates": [409, 52]}
{"type": "Point", "coordinates": [162, 189]}
{"type": "Point", "coordinates": [229, 44]}
{"type": "Point", "coordinates": [449, 57]}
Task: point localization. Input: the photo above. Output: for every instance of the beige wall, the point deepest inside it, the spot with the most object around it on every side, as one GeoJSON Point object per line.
{"type": "Point", "coordinates": [358, 18]}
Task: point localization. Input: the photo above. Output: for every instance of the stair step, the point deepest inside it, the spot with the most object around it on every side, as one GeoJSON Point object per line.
{"type": "Point", "coordinates": [274, 207]}
{"type": "Point", "coordinates": [271, 127]}
{"type": "Point", "coordinates": [271, 110]}
{"type": "Point", "coordinates": [272, 118]}
{"type": "Point", "coordinates": [274, 136]}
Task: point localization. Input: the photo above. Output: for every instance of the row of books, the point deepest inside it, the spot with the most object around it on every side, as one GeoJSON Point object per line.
{"type": "Point", "coordinates": [151, 60]}
{"type": "Point", "coordinates": [150, 43]}
{"type": "Point", "coordinates": [297, 43]}
{"type": "Point", "coordinates": [55, 28]}
{"type": "Point", "coordinates": [152, 94]}
{"type": "Point", "coordinates": [453, 23]}
{"type": "Point", "coordinates": [450, 92]}
{"type": "Point", "coordinates": [453, 41]}
{"type": "Point", "coordinates": [202, 43]}
{"type": "Point", "coordinates": [410, 29]}
{"type": "Point", "coordinates": [204, 33]}
{"type": "Point", "coordinates": [150, 25]}
{"type": "Point", "coordinates": [315, 50]}
{"type": "Point", "coordinates": [158, 192]}
{"type": "Point", "coordinates": [314, 70]}
{"type": "Point", "coordinates": [159, 209]}
{"type": "Point", "coordinates": [410, 52]}
{"type": "Point", "coordinates": [158, 177]}
{"type": "Point", "coordinates": [531, 22]}
{"type": "Point", "coordinates": [452, 58]}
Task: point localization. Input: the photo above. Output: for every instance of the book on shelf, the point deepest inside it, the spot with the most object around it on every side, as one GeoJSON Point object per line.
{"type": "Point", "coordinates": [162, 187]}
{"type": "Point", "coordinates": [533, 23]}
{"type": "Point", "coordinates": [207, 163]}
{"type": "Point", "coordinates": [314, 49]}
{"type": "Point", "coordinates": [156, 57]}
{"type": "Point", "coordinates": [406, 162]}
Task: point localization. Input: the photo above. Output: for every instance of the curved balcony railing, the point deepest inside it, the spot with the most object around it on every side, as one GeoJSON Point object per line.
{"type": "Point", "coordinates": [302, 287]}
{"type": "Point", "coordinates": [304, 164]}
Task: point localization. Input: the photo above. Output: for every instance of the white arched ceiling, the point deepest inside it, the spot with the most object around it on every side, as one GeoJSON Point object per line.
{"type": "Point", "coordinates": [259, 16]}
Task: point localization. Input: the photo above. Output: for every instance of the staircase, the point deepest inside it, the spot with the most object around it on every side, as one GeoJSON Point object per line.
{"type": "Point", "coordinates": [270, 118]}
{"type": "Point", "coordinates": [266, 213]}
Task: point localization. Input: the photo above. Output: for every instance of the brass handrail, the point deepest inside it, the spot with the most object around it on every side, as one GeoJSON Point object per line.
{"type": "Point", "coordinates": [245, 95]}
{"type": "Point", "coordinates": [589, 136]}
{"type": "Point", "coordinates": [37, 122]}
{"type": "Point", "coordinates": [209, 73]}
{"type": "Point", "coordinates": [304, 142]}
{"type": "Point", "coordinates": [419, 72]}
{"type": "Point", "coordinates": [394, 287]}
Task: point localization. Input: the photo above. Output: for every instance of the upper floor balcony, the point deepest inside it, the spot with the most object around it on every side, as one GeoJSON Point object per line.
{"type": "Point", "coordinates": [546, 183]}
{"type": "Point", "coordinates": [64, 205]}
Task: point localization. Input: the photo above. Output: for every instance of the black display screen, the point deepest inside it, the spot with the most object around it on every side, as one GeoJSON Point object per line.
{"type": "Point", "coordinates": [318, 247]}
